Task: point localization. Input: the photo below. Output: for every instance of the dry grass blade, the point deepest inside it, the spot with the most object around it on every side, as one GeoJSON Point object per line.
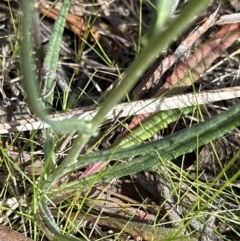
{"type": "Point", "coordinates": [201, 60]}
{"type": "Point", "coordinates": [127, 109]}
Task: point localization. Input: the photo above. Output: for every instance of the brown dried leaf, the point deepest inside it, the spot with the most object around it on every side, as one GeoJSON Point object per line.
{"type": "Point", "coordinates": [7, 234]}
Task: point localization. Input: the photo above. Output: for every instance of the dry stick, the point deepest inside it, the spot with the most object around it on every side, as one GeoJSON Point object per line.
{"type": "Point", "coordinates": [229, 18]}
{"type": "Point", "coordinates": [164, 191]}
{"type": "Point", "coordinates": [173, 210]}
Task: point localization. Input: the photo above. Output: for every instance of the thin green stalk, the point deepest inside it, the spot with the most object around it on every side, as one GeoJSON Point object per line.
{"type": "Point", "coordinates": [162, 15]}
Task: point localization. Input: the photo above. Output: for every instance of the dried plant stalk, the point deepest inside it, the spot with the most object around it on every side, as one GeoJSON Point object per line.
{"type": "Point", "coordinates": [73, 23]}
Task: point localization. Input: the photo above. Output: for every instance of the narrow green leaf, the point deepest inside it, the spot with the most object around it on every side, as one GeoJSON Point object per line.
{"type": "Point", "coordinates": [151, 126]}
{"type": "Point", "coordinates": [51, 60]}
